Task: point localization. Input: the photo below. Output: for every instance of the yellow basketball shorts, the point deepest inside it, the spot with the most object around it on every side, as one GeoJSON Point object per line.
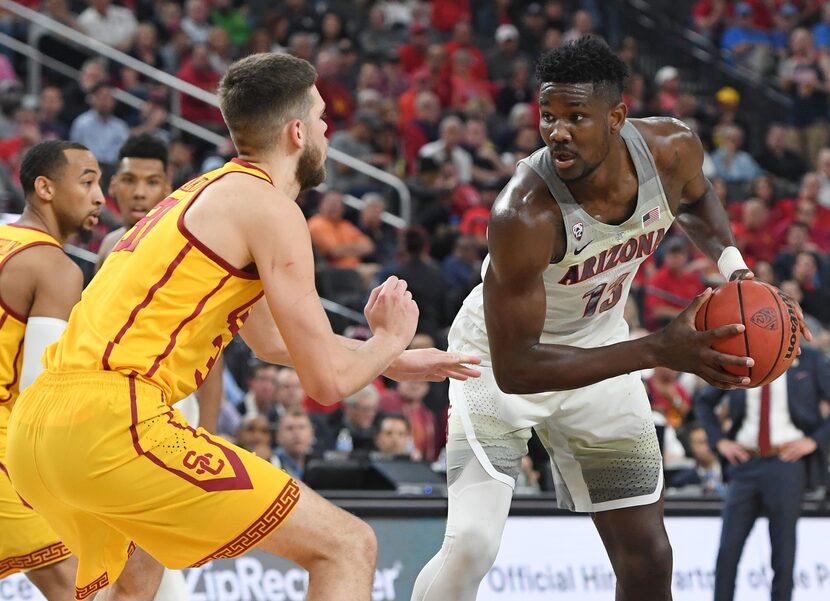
{"type": "Point", "coordinates": [110, 466]}
{"type": "Point", "coordinates": [27, 542]}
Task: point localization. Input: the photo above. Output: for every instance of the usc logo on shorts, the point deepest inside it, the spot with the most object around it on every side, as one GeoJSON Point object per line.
{"type": "Point", "coordinates": [201, 463]}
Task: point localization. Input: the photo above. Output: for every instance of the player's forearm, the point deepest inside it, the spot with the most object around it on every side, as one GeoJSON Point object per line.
{"type": "Point", "coordinates": [549, 367]}
{"type": "Point", "coordinates": [707, 225]}
{"type": "Point", "coordinates": [354, 368]}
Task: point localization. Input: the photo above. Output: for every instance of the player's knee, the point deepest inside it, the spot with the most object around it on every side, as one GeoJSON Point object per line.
{"type": "Point", "coordinates": [474, 549]}
{"type": "Point", "coordinates": [652, 561]}
{"type": "Point", "coordinates": [356, 543]}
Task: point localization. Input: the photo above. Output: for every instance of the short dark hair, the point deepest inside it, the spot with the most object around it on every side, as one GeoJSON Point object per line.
{"type": "Point", "coordinates": [396, 416]}
{"type": "Point", "coordinates": [45, 159]}
{"type": "Point", "coordinates": [144, 146]}
{"type": "Point", "coordinates": [260, 93]}
{"type": "Point", "coordinates": [586, 60]}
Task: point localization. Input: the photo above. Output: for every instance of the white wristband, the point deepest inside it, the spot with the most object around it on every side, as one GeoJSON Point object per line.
{"type": "Point", "coordinates": [730, 261]}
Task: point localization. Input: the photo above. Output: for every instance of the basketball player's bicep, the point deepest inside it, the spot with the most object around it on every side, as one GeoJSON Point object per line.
{"type": "Point", "coordinates": [59, 285]}
{"type": "Point", "coordinates": [514, 290]}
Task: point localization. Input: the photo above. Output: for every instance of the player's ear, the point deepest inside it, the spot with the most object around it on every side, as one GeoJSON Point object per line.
{"type": "Point", "coordinates": [44, 187]}
{"type": "Point", "coordinates": [297, 133]}
{"type": "Point", "coordinates": [616, 117]}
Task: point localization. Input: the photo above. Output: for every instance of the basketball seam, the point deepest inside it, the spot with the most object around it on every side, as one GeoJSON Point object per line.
{"type": "Point", "coordinates": [781, 344]}
{"type": "Point", "coordinates": [743, 321]}
{"type": "Point", "coordinates": [706, 313]}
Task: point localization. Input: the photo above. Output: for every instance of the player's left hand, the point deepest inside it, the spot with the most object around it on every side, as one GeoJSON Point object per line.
{"type": "Point", "coordinates": [795, 450]}
{"type": "Point", "coordinates": [432, 365]}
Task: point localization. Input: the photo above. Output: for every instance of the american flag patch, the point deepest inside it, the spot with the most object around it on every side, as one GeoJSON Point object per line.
{"type": "Point", "coordinates": [652, 216]}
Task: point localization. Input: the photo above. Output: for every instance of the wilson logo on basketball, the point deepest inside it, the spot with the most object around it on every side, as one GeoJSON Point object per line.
{"type": "Point", "coordinates": [765, 318]}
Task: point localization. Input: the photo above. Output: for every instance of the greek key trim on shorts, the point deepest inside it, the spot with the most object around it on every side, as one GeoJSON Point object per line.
{"type": "Point", "coordinates": [262, 527]}
{"type": "Point", "coordinates": [93, 587]}
{"type": "Point", "coordinates": [36, 559]}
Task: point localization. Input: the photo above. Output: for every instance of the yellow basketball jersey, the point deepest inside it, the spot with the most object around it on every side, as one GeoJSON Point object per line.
{"type": "Point", "coordinates": [164, 305]}
{"type": "Point", "coordinates": [13, 239]}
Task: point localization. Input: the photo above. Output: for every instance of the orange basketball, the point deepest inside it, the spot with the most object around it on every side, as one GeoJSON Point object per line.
{"type": "Point", "coordinates": [772, 332]}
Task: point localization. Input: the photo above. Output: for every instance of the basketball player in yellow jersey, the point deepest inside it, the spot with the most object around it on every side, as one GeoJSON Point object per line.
{"type": "Point", "coordinates": [39, 285]}
{"type": "Point", "coordinates": [139, 183]}
{"type": "Point", "coordinates": [228, 252]}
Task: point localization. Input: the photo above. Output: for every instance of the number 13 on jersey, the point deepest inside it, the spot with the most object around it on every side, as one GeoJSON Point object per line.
{"type": "Point", "coordinates": [614, 295]}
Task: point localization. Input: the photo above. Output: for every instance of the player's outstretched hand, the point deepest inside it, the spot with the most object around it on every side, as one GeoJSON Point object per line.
{"type": "Point", "coordinates": [683, 348]}
{"type": "Point", "coordinates": [391, 311]}
{"type": "Point", "coordinates": [432, 365]}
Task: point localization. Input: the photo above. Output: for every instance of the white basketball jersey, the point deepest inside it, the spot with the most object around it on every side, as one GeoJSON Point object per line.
{"type": "Point", "coordinates": [587, 290]}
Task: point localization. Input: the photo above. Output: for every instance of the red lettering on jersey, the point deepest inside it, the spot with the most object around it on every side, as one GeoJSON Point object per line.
{"type": "Point", "coordinates": [143, 227]}
{"type": "Point", "coordinates": [634, 248]}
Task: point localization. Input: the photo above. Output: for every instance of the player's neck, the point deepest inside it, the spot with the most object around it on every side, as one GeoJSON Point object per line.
{"type": "Point", "coordinates": [44, 221]}
{"type": "Point", "coordinates": [280, 169]}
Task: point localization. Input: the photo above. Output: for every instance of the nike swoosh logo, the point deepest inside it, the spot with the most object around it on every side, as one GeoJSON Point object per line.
{"type": "Point", "coordinates": [579, 250]}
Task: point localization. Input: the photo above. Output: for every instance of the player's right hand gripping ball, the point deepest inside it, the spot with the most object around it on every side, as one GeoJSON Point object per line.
{"type": "Point", "coordinates": [772, 335]}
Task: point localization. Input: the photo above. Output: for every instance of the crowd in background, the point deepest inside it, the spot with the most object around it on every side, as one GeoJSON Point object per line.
{"type": "Point", "coordinates": [442, 95]}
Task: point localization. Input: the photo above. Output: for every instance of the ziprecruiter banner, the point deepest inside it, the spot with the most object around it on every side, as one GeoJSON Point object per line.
{"type": "Point", "coordinates": [541, 558]}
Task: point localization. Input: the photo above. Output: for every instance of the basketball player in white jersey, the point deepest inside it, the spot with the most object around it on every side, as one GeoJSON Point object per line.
{"type": "Point", "coordinates": [566, 237]}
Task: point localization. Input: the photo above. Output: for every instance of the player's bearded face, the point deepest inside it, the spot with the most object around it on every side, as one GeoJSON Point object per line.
{"type": "Point", "coordinates": [311, 168]}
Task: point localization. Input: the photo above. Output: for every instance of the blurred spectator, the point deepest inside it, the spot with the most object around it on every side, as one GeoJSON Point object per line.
{"type": "Point", "coordinates": [502, 59]}
{"type": "Point", "coordinates": [331, 32]}
{"type": "Point", "coordinates": [634, 95]}
{"type": "Point", "coordinates": [671, 287]}
{"type": "Point", "coordinates": [668, 396]}
{"type": "Point", "coordinates": [425, 281]}
{"type": "Point", "coordinates": [462, 40]}
{"type": "Point", "coordinates": [377, 39]}
{"type": "Point", "coordinates": [26, 133]}
{"type": "Point", "coordinates": [354, 141]}
{"type": "Point", "coordinates": [465, 85]}
{"type": "Point", "coordinates": [824, 177]}
{"type": "Point", "coordinates": [407, 400]}
{"type": "Point", "coordinates": [797, 239]}
{"type": "Point", "coordinates": [821, 31]}
{"type": "Point", "coordinates": [518, 88]}
{"type": "Point", "coordinates": [414, 52]}
{"type": "Point", "coordinates": [731, 163]}
{"type": "Point", "coordinates": [50, 108]}
{"type": "Point", "coordinates": [711, 16]}
{"type": "Point", "coordinates": [254, 433]}
{"type": "Point", "coordinates": [232, 19]}
{"type": "Point", "coordinates": [784, 22]}
{"type": "Point", "coordinates": [667, 80]}
{"type": "Point", "coordinates": [422, 128]}
{"type": "Point", "coordinates": [777, 158]}
{"type": "Point", "coordinates": [754, 233]}
{"type": "Point", "coordinates": [727, 112]}
{"type": "Point", "coordinates": [221, 53]}
{"type": "Point", "coordinates": [98, 129]}
{"type": "Point", "coordinates": [815, 292]}
{"type": "Point", "coordinates": [583, 24]}
{"type": "Point", "coordinates": [475, 219]}
{"type": "Point", "coordinates": [805, 76]}
{"type": "Point", "coordinates": [488, 167]}
{"type": "Point", "coordinates": [745, 44]}
{"type": "Point", "coordinates": [393, 437]}
{"type": "Point", "coordinates": [146, 47]}
{"type": "Point", "coordinates": [113, 25]}
{"type": "Point", "coordinates": [383, 236]}
{"type": "Point", "coordinates": [295, 438]}
{"type": "Point", "coordinates": [355, 423]}
{"type": "Point", "coordinates": [76, 93]}
{"type": "Point", "coordinates": [198, 71]}
{"type": "Point", "coordinates": [448, 148]}
{"type": "Point", "coordinates": [302, 17]}
{"type": "Point", "coordinates": [261, 398]}
{"type": "Point", "coordinates": [338, 99]}
{"type": "Point", "coordinates": [707, 472]}
{"type": "Point", "coordinates": [445, 15]}
{"type": "Point", "coordinates": [301, 45]}
{"type": "Point", "coordinates": [338, 241]}
{"type": "Point", "coordinates": [196, 22]}
{"type": "Point", "coordinates": [461, 268]}
{"type": "Point", "coordinates": [175, 51]}
{"type": "Point", "coordinates": [533, 27]}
